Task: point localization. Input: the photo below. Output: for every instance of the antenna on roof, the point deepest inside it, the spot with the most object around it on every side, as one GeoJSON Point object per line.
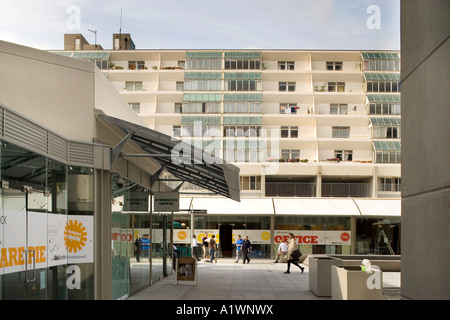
{"type": "Point", "coordinates": [120, 30]}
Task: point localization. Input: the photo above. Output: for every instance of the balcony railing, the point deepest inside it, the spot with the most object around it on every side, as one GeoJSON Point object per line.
{"type": "Point", "coordinates": [309, 189]}
{"type": "Point", "coordinates": [290, 189]}
{"type": "Point", "coordinates": [346, 189]}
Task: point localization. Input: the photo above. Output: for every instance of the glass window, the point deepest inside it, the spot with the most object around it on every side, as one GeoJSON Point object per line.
{"type": "Point", "coordinates": [286, 65]}
{"type": "Point", "coordinates": [341, 132]}
{"type": "Point", "coordinates": [136, 65]}
{"type": "Point", "coordinates": [286, 86]}
{"type": "Point", "coordinates": [136, 106]}
{"type": "Point", "coordinates": [334, 66]}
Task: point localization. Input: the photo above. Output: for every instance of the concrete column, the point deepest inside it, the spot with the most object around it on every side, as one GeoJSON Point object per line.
{"type": "Point", "coordinates": [425, 43]}
{"type": "Point", "coordinates": [102, 242]}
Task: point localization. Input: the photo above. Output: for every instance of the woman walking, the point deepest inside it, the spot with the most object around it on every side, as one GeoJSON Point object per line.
{"type": "Point", "coordinates": [292, 246]}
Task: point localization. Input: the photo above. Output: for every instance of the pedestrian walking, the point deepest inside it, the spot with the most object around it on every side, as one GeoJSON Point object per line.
{"type": "Point", "coordinates": [293, 254]}
{"type": "Point", "coordinates": [205, 242]}
{"type": "Point", "coordinates": [282, 250]}
{"type": "Point", "coordinates": [246, 249]}
{"type": "Point", "coordinates": [212, 249]}
{"type": "Point", "coordinates": [239, 243]}
{"type": "Point", "coordinates": [137, 248]}
{"type": "Point", "coordinates": [195, 248]}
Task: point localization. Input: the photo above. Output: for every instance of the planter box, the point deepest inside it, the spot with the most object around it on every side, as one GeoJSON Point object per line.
{"type": "Point", "coordinates": [350, 283]}
{"type": "Point", "coordinates": [320, 275]}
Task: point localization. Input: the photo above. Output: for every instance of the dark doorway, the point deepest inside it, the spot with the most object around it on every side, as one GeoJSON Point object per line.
{"type": "Point", "coordinates": [226, 240]}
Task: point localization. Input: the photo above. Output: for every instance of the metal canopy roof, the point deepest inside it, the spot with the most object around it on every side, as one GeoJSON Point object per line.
{"type": "Point", "coordinates": [181, 159]}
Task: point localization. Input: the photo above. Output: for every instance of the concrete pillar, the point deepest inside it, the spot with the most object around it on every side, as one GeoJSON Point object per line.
{"type": "Point", "coordinates": [102, 242]}
{"type": "Point", "coordinates": [425, 43]}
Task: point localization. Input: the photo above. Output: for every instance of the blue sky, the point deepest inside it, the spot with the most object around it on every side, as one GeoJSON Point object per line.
{"type": "Point", "coordinates": [206, 24]}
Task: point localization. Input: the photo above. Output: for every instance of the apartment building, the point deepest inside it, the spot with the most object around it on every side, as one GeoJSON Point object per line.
{"type": "Point", "coordinates": [316, 135]}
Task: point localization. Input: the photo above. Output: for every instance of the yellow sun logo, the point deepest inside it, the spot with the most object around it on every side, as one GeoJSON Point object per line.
{"type": "Point", "coordinates": [75, 236]}
{"type": "Point", "coordinates": [265, 235]}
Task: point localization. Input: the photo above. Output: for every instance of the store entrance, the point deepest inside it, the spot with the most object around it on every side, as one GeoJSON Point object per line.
{"type": "Point", "coordinates": [226, 240]}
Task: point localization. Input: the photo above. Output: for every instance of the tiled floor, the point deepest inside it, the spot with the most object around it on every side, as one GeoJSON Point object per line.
{"type": "Point", "coordinates": [261, 279]}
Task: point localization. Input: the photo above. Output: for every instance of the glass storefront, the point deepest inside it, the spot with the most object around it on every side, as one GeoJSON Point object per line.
{"type": "Point", "coordinates": [378, 236]}
{"type": "Point", "coordinates": [46, 231]}
{"type": "Point", "coordinates": [136, 265]}
{"type": "Point", "coordinates": [226, 228]}
{"type": "Point", "coordinates": [315, 235]}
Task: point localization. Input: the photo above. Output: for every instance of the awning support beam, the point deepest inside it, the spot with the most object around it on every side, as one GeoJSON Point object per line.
{"type": "Point", "coordinates": [115, 152]}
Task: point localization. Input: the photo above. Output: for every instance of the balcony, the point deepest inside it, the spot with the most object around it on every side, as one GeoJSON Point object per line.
{"type": "Point", "coordinates": [309, 189]}
{"type": "Point", "coordinates": [356, 190]}
{"type": "Point", "coordinates": [290, 189]}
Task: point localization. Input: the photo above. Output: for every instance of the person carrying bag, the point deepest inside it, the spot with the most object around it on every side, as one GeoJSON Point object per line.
{"type": "Point", "coordinates": [294, 254]}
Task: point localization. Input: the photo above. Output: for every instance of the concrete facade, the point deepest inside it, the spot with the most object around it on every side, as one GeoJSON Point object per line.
{"type": "Point", "coordinates": [425, 33]}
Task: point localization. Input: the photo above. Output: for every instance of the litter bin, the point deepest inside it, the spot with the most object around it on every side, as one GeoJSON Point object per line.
{"type": "Point", "coordinates": [350, 283]}
{"type": "Point", "coordinates": [320, 275]}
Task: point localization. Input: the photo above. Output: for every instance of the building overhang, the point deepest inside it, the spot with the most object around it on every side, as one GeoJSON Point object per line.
{"type": "Point", "coordinates": [182, 160]}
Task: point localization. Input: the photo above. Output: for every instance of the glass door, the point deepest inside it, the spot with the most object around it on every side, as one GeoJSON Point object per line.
{"type": "Point", "coordinates": [23, 250]}
{"type": "Point", "coordinates": [31, 266]}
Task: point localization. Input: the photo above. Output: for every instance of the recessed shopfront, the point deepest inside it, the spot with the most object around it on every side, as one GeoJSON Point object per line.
{"type": "Point", "coordinates": [47, 227]}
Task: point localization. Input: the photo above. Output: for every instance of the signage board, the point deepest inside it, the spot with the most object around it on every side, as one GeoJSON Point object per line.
{"type": "Point", "coordinates": [166, 202]}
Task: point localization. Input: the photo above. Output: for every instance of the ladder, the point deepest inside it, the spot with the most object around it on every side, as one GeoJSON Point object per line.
{"type": "Point", "coordinates": [382, 236]}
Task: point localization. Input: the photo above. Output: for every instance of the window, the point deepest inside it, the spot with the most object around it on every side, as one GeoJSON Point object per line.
{"type": "Point", "coordinates": [290, 155]}
{"type": "Point", "coordinates": [242, 107]}
{"type": "Point", "coordinates": [288, 108]}
{"type": "Point", "coordinates": [286, 65]}
{"type": "Point", "coordinates": [204, 130]}
{"type": "Point", "coordinates": [180, 85]}
{"type": "Point", "coordinates": [136, 106]}
{"type": "Point", "coordinates": [289, 132]}
{"type": "Point", "coordinates": [336, 108]}
{"type": "Point", "coordinates": [343, 155]}
{"type": "Point", "coordinates": [335, 66]}
{"type": "Point", "coordinates": [341, 132]}
{"type": "Point", "coordinates": [77, 44]}
{"type": "Point", "coordinates": [101, 64]}
{"type": "Point", "coordinates": [388, 156]}
{"type": "Point", "coordinates": [133, 85]}
{"type": "Point", "coordinates": [176, 131]}
{"type": "Point", "coordinates": [242, 64]}
{"type": "Point", "coordinates": [203, 64]}
{"type": "Point", "coordinates": [178, 108]}
{"type": "Point", "coordinates": [250, 182]}
{"type": "Point", "coordinates": [136, 65]}
{"type": "Point", "coordinates": [384, 108]}
{"type": "Point", "coordinates": [202, 85]}
{"type": "Point", "coordinates": [242, 153]}
{"type": "Point", "coordinates": [286, 86]}
{"type": "Point", "coordinates": [242, 85]}
{"type": "Point", "coordinates": [201, 107]}
{"type": "Point", "coordinates": [386, 132]}
{"type": "Point", "coordinates": [383, 86]}
{"type": "Point", "coordinates": [242, 131]}
{"type": "Point", "coordinates": [382, 65]}
{"type": "Point", "coordinates": [336, 86]}
{"type": "Point", "coordinates": [389, 184]}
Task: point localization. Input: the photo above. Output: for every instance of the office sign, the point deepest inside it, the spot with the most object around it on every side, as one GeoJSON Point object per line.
{"type": "Point", "coordinates": [166, 202]}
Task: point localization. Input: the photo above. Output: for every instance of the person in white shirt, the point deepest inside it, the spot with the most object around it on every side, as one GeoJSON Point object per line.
{"type": "Point", "coordinates": [195, 247]}
{"type": "Point", "coordinates": [282, 250]}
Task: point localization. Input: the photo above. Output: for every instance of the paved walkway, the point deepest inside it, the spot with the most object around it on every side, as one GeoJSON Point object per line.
{"type": "Point", "coordinates": [261, 279]}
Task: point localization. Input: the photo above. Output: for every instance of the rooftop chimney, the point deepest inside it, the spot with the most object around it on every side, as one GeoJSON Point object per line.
{"type": "Point", "coordinates": [122, 41]}
{"type": "Point", "coordinates": [76, 42]}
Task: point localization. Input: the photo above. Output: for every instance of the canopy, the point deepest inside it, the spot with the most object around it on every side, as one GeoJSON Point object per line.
{"type": "Point", "coordinates": [181, 159]}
